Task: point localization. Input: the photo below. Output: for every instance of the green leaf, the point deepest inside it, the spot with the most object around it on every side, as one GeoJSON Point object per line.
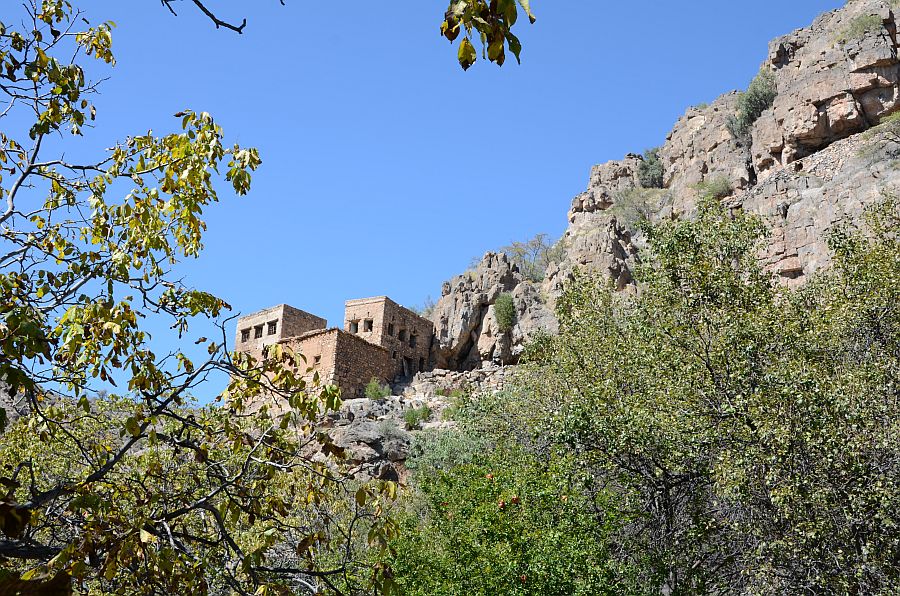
{"type": "Point", "coordinates": [467, 54]}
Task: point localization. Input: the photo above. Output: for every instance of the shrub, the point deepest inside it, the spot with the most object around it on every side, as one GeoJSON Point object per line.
{"type": "Point", "coordinates": [758, 97]}
{"type": "Point", "coordinates": [717, 187]}
{"type": "Point", "coordinates": [533, 256]}
{"type": "Point", "coordinates": [458, 399]}
{"type": "Point", "coordinates": [651, 170]}
{"type": "Point", "coordinates": [377, 390]}
{"type": "Point", "coordinates": [505, 311]}
{"type": "Point", "coordinates": [426, 309]}
{"type": "Point", "coordinates": [858, 28]}
{"type": "Point", "coordinates": [414, 417]}
{"type": "Point", "coordinates": [388, 429]}
{"type": "Point", "coordinates": [637, 205]}
{"type": "Point", "coordinates": [500, 524]}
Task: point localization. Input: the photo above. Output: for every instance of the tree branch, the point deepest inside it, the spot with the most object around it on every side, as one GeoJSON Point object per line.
{"type": "Point", "coordinates": [219, 23]}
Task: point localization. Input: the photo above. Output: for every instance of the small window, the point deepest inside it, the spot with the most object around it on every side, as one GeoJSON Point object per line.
{"type": "Point", "coordinates": [394, 355]}
{"type": "Point", "coordinates": [354, 326]}
{"type": "Point", "coordinates": [391, 329]}
{"type": "Point", "coordinates": [245, 335]}
{"type": "Point", "coordinates": [412, 341]}
{"type": "Point", "coordinates": [317, 360]}
{"type": "Point", "coordinates": [402, 335]}
{"type": "Point", "coordinates": [273, 327]}
{"type": "Point", "coordinates": [257, 332]}
{"type": "Point", "coordinates": [367, 326]}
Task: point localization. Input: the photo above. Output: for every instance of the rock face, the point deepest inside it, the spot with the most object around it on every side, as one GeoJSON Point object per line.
{"type": "Point", "coordinates": [832, 186]}
{"type": "Point", "coordinates": [700, 148]}
{"type": "Point", "coordinates": [375, 435]}
{"type": "Point", "coordinates": [809, 163]}
{"type": "Point", "coordinates": [834, 78]}
{"type": "Point", "coordinates": [467, 333]}
{"type": "Point", "coordinates": [607, 180]}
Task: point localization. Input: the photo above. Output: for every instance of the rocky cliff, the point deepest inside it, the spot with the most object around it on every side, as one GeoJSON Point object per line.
{"type": "Point", "coordinates": [817, 156]}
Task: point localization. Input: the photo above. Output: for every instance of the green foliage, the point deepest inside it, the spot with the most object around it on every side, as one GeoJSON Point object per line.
{"type": "Point", "coordinates": [750, 429]}
{"type": "Point", "coordinates": [637, 205]}
{"type": "Point", "coordinates": [532, 257]}
{"type": "Point", "coordinates": [505, 525]}
{"type": "Point", "coordinates": [651, 169]}
{"type": "Point", "coordinates": [505, 311]}
{"type": "Point", "coordinates": [758, 97]}
{"type": "Point", "coordinates": [426, 309]}
{"type": "Point", "coordinates": [715, 188]}
{"type": "Point", "coordinates": [489, 21]}
{"type": "Point", "coordinates": [144, 493]}
{"type": "Point", "coordinates": [858, 28]}
{"type": "Point", "coordinates": [414, 417]}
{"type": "Point", "coordinates": [492, 513]}
{"type": "Point", "coordinates": [375, 389]}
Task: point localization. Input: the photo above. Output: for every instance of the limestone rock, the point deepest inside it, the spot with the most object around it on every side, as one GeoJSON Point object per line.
{"type": "Point", "coordinates": [835, 78]}
{"type": "Point", "coordinates": [605, 182]}
{"type": "Point", "coordinates": [829, 187]}
{"type": "Point", "coordinates": [466, 330]}
{"type": "Point", "coordinates": [700, 148]}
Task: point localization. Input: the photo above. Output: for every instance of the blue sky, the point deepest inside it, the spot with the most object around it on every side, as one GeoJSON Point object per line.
{"type": "Point", "coordinates": [386, 168]}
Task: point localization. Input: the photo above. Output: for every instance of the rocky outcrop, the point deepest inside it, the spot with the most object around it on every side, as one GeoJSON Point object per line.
{"type": "Point", "coordinates": [835, 78]}
{"type": "Point", "coordinates": [700, 148]}
{"type": "Point", "coordinates": [374, 434]}
{"type": "Point", "coordinates": [447, 383]}
{"type": "Point", "coordinates": [804, 166]}
{"type": "Point", "coordinates": [831, 186]}
{"type": "Point", "coordinates": [595, 243]}
{"type": "Point", "coordinates": [607, 181]}
{"type": "Point", "coordinates": [467, 333]}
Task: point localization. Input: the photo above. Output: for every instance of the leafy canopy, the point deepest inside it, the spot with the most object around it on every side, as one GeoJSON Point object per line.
{"type": "Point", "coordinates": [143, 492]}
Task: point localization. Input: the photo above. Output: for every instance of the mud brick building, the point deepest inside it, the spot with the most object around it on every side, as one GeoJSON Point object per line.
{"type": "Point", "coordinates": [380, 340]}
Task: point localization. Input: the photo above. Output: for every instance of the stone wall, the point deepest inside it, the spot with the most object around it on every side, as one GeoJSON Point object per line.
{"type": "Point", "coordinates": [440, 382]}
{"type": "Point", "coordinates": [357, 362]}
{"type": "Point", "coordinates": [383, 322]}
{"type": "Point", "coordinates": [342, 359]}
{"type": "Point", "coordinates": [320, 350]}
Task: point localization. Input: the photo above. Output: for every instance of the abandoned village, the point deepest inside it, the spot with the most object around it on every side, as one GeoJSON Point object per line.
{"type": "Point", "coordinates": [380, 339]}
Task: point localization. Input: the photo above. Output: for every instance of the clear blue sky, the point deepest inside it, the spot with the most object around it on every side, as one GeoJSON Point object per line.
{"type": "Point", "coordinates": [386, 167]}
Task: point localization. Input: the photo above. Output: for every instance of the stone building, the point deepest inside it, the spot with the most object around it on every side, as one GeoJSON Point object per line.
{"type": "Point", "coordinates": [383, 322]}
{"type": "Point", "coordinates": [380, 340]}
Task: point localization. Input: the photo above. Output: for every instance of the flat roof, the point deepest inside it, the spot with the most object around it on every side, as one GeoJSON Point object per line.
{"type": "Point", "coordinates": [281, 307]}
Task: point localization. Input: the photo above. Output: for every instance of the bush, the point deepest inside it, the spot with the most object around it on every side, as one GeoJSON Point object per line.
{"type": "Point", "coordinates": [717, 187]}
{"type": "Point", "coordinates": [377, 390]}
{"type": "Point", "coordinates": [637, 205]}
{"type": "Point", "coordinates": [858, 28]}
{"type": "Point", "coordinates": [533, 256]}
{"type": "Point", "coordinates": [758, 97]}
{"type": "Point", "coordinates": [414, 417]}
{"type": "Point", "coordinates": [501, 524]}
{"type": "Point", "coordinates": [651, 169]}
{"type": "Point", "coordinates": [763, 417]}
{"type": "Point", "coordinates": [388, 430]}
{"type": "Point", "coordinates": [505, 311]}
